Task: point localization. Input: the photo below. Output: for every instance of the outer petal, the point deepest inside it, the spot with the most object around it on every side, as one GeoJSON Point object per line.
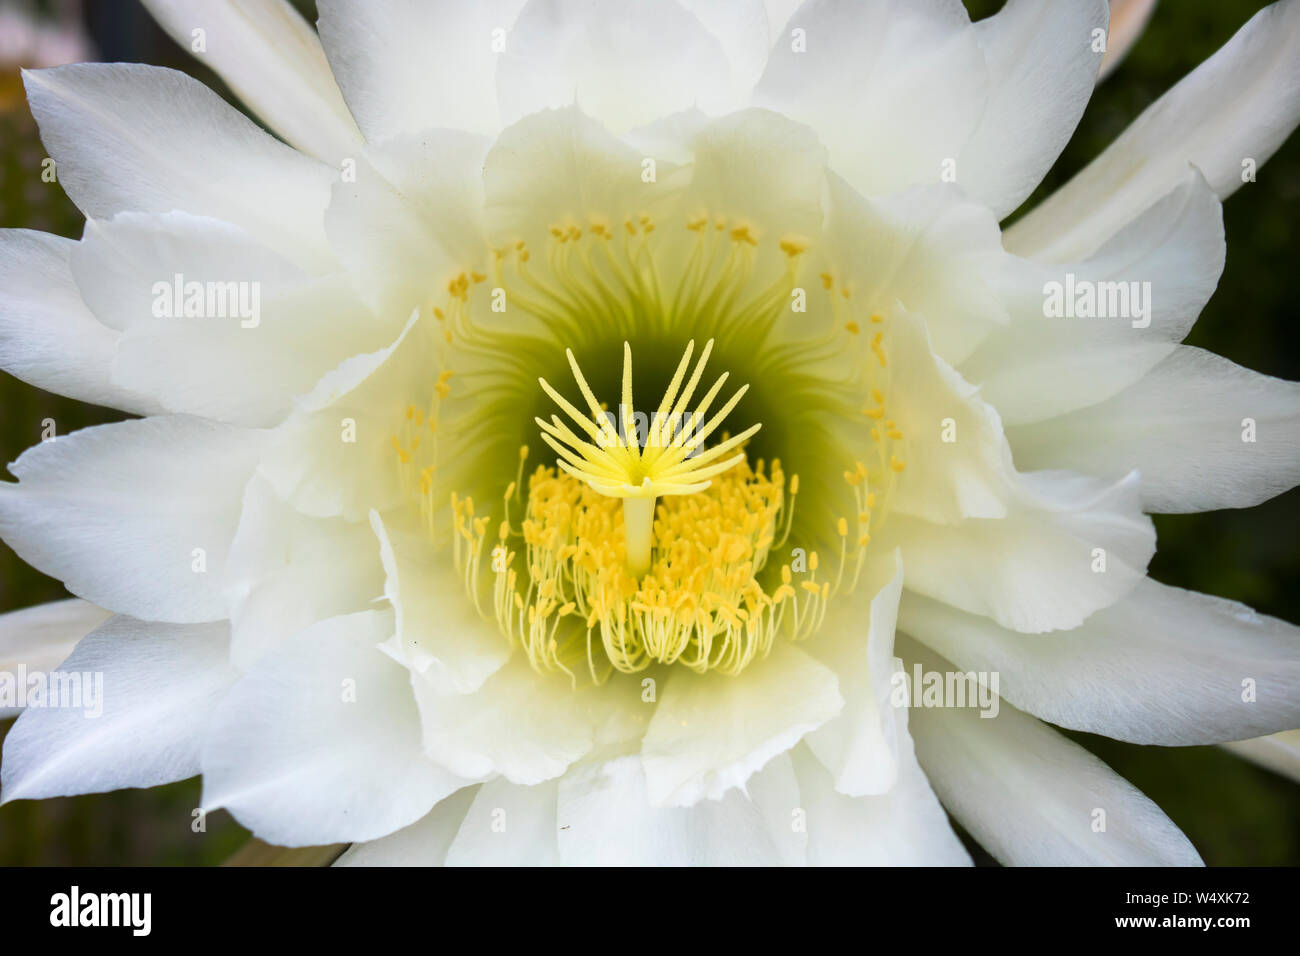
{"type": "Point", "coordinates": [1042, 67]}
{"type": "Point", "coordinates": [1204, 433]}
{"type": "Point", "coordinates": [1278, 752]}
{"type": "Point", "coordinates": [320, 742]}
{"type": "Point", "coordinates": [155, 686]}
{"type": "Point", "coordinates": [1039, 366]}
{"type": "Point", "coordinates": [48, 338]}
{"type": "Point", "coordinates": [273, 60]}
{"type": "Point", "coordinates": [39, 638]}
{"type": "Point", "coordinates": [606, 819]}
{"type": "Point", "coordinates": [140, 138]}
{"type": "Point", "coordinates": [1041, 567]}
{"type": "Point", "coordinates": [287, 570]}
{"type": "Point", "coordinates": [1238, 105]}
{"type": "Point", "coordinates": [903, 826]}
{"type": "Point", "coordinates": [894, 87]}
{"type": "Point", "coordinates": [424, 843]}
{"type": "Point", "coordinates": [709, 735]}
{"type": "Point", "coordinates": [264, 322]}
{"type": "Point", "coordinates": [1033, 798]}
{"type": "Point", "coordinates": [626, 63]}
{"type": "Point", "coordinates": [507, 825]}
{"type": "Point", "coordinates": [1162, 666]}
{"type": "Point", "coordinates": [406, 66]}
{"type": "Point", "coordinates": [136, 516]}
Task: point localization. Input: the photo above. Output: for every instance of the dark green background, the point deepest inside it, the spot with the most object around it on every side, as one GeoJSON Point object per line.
{"type": "Point", "coordinates": [1233, 812]}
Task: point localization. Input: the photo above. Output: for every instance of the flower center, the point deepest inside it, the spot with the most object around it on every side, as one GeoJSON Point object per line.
{"type": "Point", "coordinates": [656, 537]}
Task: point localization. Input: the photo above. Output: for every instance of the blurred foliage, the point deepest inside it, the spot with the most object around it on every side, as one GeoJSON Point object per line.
{"type": "Point", "coordinates": [1233, 812]}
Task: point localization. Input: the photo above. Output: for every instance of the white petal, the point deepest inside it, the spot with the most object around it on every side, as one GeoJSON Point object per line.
{"type": "Point", "coordinates": [927, 247]}
{"type": "Point", "coordinates": [625, 63]}
{"type": "Point", "coordinates": [1203, 432]}
{"type": "Point", "coordinates": [39, 638]}
{"type": "Point", "coordinates": [507, 825]}
{"type": "Point", "coordinates": [271, 57]}
{"type": "Point", "coordinates": [260, 320]}
{"type": "Point", "coordinates": [523, 725]}
{"type": "Point", "coordinates": [1033, 798]}
{"type": "Point", "coordinates": [894, 87]}
{"type": "Point", "coordinates": [710, 734]}
{"type": "Point", "coordinates": [1162, 666]}
{"type": "Point", "coordinates": [860, 746]}
{"type": "Point", "coordinates": [1238, 105]}
{"type": "Point", "coordinates": [138, 138]}
{"type": "Point", "coordinates": [333, 455]}
{"type": "Point", "coordinates": [607, 819]}
{"type": "Point", "coordinates": [1036, 569]}
{"type": "Point", "coordinates": [558, 167]}
{"type": "Point", "coordinates": [424, 843]}
{"type": "Point", "coordinates": [320, 742]}
{"type": "Point", "coordinates": [48, 338]}
{"type": "Point", "coordinates": [1042, 67]}
{"type": "Point", "coordinates": [1278, 752]}
{"type": "Point", "coordinates": [1039, 366]}
{"type": "Point", "coordinates": [743, 30]}
{"type": "Point", "coordinates": [136, 516]}
{"type": "Point", "coordinates": [903, 826]}
{"type": "Point", "coordinates": [440, 635]}
{"type": "Point", "coordinates": [287, 570]}
{"type": "Point", "coordinates": [152, 689]}
{"type": "Point", "coordinates": [410, 218]}
{"type": "Point", "coordinates": [406, 67]}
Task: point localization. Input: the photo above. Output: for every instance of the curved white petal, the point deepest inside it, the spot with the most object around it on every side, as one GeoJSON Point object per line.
{"type": "Point", "coordinates": [201, 304]}
{"type": "Point", "coordinates": [1161, 666]}
{"type": "Point", "coordinates": [1033, 798]}
{"type": "Point", "coordinates": [623, 62]}
{"type": "Point", "coordinates": [127, 137]}
{"type": "Point", "coordinates": [1278, 752]}
{"type": "Point", "coordinates": [709, 735]}
{"type": "Point", "coordinates": [927, 247]}
{"type": "Point", "coordinates": [1159, 271]}
{"type": "Point", "coordinates": [135, 516]}
{"type": "Point", "coordinates": [271, 57]}
{"type": "Point", "coordinates": [409, 218]}
{"type": "Point", "coordinates": [38, 638]}
{"type": "Point", "coordinates": [1128, 18]}
{"type": "Point", "coordinates": [1203, 432]}
{"type": "Point", "coordinates": [48, 338]}
{"type": "Point", "coordinates": [1068, 547]}
{"type": "Point", "coordinates": [424, 843]}
{"type": "Point", "coordinates": [333, 455]}
{"type": "Point", "coordinates": [522, 725]}
{"type": "Point", "coordinates": [1042, 64]}
{"type": "Point", "coordinates": [607, 819]}
{"type": "Point", "coordinates": [406, 66]}
{"type": "Point", "coordinates": [1234, 109]}
{"type": "Point", "coordinates": [320, 741]}
{"type": "Point", "coordinates": [507, 825]}
{"type": "Point", "coordinates": [860, 746]}
{"type": "Point", "coordinates": [287, 570]}
{"type": "Point", "coordinates": [902, 826]}
{"type": "Point", "coordinates": [440, 635]}
{"type": "Point", "coordinates": [894, 87]}
{"type": "Point", "coordinates": [152, 689]}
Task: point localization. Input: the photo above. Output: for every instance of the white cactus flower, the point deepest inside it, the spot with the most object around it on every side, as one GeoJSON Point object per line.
{"type": "Point", "coordinates": [599, 412]}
